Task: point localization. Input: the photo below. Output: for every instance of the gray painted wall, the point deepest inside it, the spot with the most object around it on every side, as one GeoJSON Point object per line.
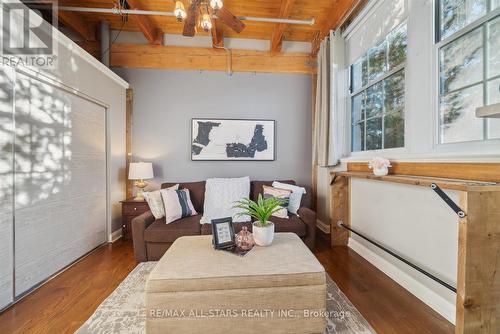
{"type": "Point", "coordinates": [165, 101]}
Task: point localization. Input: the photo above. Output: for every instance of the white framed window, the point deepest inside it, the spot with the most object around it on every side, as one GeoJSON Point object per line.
{"type": "Point", "coordinates": [377, 94]}
{"type": "Point", "coordinates": [468, 44]}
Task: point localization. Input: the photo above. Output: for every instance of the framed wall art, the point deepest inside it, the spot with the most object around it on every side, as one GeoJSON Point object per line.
{"type": "Point", "coordinates": [232, 139]}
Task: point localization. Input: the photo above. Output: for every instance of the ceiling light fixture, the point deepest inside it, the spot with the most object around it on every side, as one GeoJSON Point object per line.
{"type": "Point", "coordinates": [180, 11]}
{"type": "Point", "coordinates": [216, 4]}
{"type": "Point", "coordinates": [206, 22]}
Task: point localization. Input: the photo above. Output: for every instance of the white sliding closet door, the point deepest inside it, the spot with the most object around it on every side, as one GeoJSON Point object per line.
{"type": "Point", "coordinates": [6, 186]}
{"type": "Point", "coordinates": [60, 180]}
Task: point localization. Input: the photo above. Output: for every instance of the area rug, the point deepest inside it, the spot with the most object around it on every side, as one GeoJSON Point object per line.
{"type": "Point", "coordinates": [124, 310]}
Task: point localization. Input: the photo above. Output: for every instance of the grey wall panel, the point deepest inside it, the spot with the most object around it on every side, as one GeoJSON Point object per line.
{"type": "Point", "coordinates": [6, 187]}
{"type": "Point", "coordinates": [60, 184]}
{"type": "Point", "coordinates": [165, 101]}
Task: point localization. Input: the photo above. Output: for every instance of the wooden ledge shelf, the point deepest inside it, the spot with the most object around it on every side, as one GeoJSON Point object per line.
{"type": "Point", "coordinates": [452, 184]}
{"type": "Point", "coordinates": [478, 268]}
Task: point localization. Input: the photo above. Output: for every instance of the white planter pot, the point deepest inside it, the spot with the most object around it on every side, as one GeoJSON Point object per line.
{"type": "Point", "coordinates": [380, 171]}
{"type": "Point", "coordinates": [263, 236]}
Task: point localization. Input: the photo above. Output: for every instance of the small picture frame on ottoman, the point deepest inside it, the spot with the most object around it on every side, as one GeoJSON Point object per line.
{"type": "Point", "coordinates": [223, 233]}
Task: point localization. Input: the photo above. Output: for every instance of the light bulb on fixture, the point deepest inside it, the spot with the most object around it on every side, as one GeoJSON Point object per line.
{"type": "Point", "coordinates": [206, 22]}
{"type": "Point", "coordinates": [216, 4]}
{"type": "Point", "coordinates": [179, 11]}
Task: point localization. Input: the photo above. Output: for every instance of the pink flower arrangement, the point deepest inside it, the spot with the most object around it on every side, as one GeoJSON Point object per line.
{"type": "Point", "coordinates": [379, 163]}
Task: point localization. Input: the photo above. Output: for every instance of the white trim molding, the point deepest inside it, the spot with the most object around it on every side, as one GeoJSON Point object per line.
{"type": "Point", "coordinates": [428, 296]}
{"type": "Point", "coordinates": [114, 236]}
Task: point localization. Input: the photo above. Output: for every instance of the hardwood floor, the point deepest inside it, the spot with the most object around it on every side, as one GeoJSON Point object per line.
{"type": "Point", "coordinates": [65, 302]}
{"type": "Point", "coordinates": [387, 306]}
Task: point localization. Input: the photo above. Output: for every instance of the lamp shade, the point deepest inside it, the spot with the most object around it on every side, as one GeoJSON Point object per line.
{"type": "Point", "coordinates": [140, 171]}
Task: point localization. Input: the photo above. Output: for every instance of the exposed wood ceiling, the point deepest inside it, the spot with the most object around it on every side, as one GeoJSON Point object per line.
{"type": "Point", "coordinates": [327, 13]}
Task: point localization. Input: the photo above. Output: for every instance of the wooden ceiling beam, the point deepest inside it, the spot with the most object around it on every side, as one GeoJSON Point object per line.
{"type": "Point", "coordinates": [153, 34]}
{"type": "Point", "coordinates": [279, 30]}
{"type": "Point", "coordinates": [210, 59]}
{"type": "Point", "coordinates": [75, 22]}
{"type": "Point", "coordinates": [339, 11]}
{"type": "Point", "coordinates": [217, 33]}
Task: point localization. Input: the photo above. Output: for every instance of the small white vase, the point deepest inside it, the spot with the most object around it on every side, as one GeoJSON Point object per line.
{"type": "Point", "coordinates": [263, 236]}
{"type": "Point", "coordinates": [381, 171]}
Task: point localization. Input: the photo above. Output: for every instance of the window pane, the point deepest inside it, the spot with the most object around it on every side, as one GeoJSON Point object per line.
{"type": "Point", "coordinates": [495, 4]}
{"type": "Point", "coordinates": [394, 130]}
{"type": "Point", "coordinates": [456, 14]}
{"type": "Point", "coordinates": [359, 72]}
{"type": "Point", "coordinates": [374, 100]}
{"type": "Point", "coordinates": [357, 107]}
{"type": "Point", "coordinates": [395, 92]}
{"type": "Point", "coordinates": [358, 137]}
{"type": "Point", "coordinates": [377, 61]}
{"type": "Point", "coordinates": [493, 48]}
{"type": "Point", "coordinates": [374, 133]}
{"type": "Point", "coordinates": [493, 91]}
{"type": "Point", "coordinates": [493, 128]}
{"type": "Point", "coordinates": [397, 47]}
{"type": "Point", "coordinates": [493, 97]}
{"type": "Point", "coordinates": [462, 61]}
{"type": "Point", "coordinates": [458, 115]}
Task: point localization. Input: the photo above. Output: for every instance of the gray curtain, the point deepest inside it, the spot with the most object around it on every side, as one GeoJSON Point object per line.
{"type": "Point", "coordinates": [321, 144]}
{"type": "Point", "coordinates": [331, 96]}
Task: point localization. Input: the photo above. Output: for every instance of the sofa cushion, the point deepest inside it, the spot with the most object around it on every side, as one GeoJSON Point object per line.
{"type": "Point", "coordinates": [256, 187]}
{"type": "Point", "coordinates": [196, 192]}
{"type": "Point", "coordinates": [160, 231]}
{"type": "Point", "coordinates": [292, 224]}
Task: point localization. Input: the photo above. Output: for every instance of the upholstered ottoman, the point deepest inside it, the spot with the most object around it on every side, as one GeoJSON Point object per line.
{"type": "Point", "coordinates": [275, 289]}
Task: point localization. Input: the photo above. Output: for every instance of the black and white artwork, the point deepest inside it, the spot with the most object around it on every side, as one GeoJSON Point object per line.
{"type": "Point", "coordinates": [232, 139]}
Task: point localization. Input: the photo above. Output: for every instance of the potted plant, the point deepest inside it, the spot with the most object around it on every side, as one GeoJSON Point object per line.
{"type": "Point", "coordinates": [263, 229]}
{"type": "Point", "coordinates": [380, 166]}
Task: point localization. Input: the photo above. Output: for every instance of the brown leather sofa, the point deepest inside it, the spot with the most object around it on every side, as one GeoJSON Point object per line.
{"type": "Point", "coordinates": [153, 237]}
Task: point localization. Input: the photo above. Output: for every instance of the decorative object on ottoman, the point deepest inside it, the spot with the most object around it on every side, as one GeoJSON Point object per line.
{"type": "Point", "coordinates": [193, 279]}
{"type": "Point", "coordinates": [140, 171]}
{"type": "Point", "coordinates": [244, 239]}
{"type": "Point", "coordinates": [262, 210]}
{"type": "Point", "coordinates": [223, 233]}
{"type": "Point", "coordinates": [380, 166]}
{"type": "Point", "coordinates": [295, 196]}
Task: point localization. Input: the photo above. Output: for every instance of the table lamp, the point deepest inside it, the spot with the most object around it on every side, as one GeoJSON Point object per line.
{"type": "Point", "coordinates": [140, 171]}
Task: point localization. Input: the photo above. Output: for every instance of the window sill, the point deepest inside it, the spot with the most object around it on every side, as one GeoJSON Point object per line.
{"type": "Point", "coordinates": [427, 157]}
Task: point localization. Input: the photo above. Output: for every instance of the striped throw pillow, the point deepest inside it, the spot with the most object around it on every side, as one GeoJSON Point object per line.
{"type": "Point", "coordinates": [177, 204]}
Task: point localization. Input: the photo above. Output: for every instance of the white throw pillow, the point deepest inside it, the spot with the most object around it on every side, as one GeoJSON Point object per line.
{"type": "Point", "coordinates": [177, 204]}
{"type": "Point", "coordinates": [155, 202]}
{"type": "Point", "coordinates": [221, 196]}
{"type": "Point", "coordinates": [295, 196]}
